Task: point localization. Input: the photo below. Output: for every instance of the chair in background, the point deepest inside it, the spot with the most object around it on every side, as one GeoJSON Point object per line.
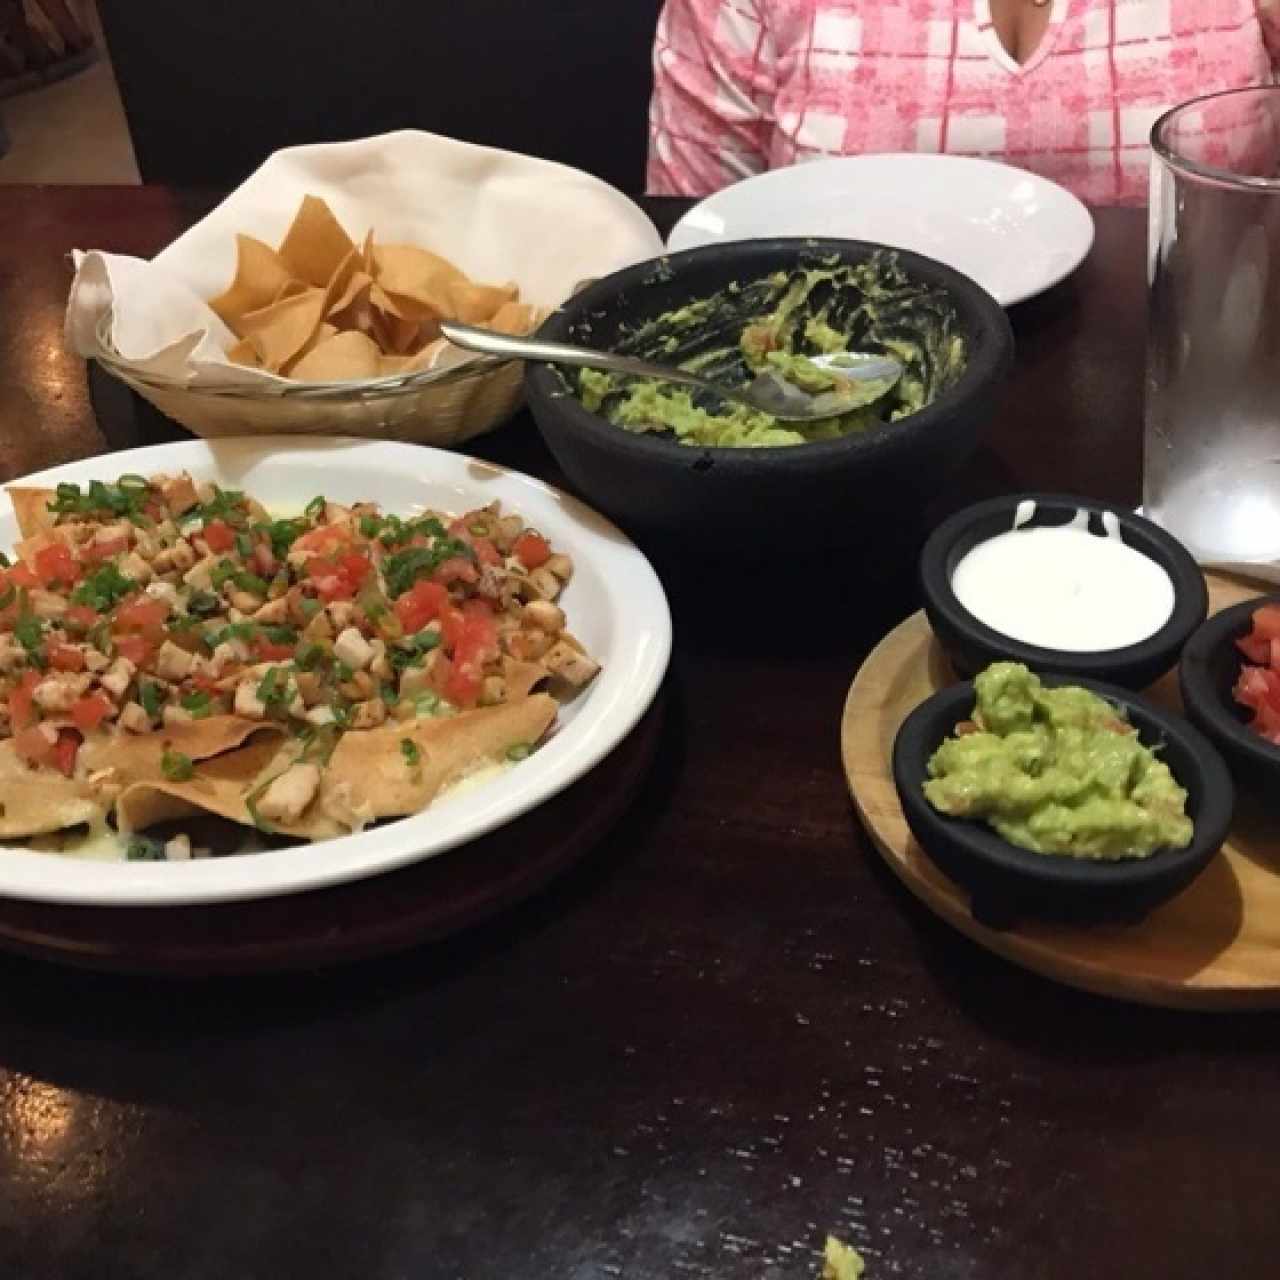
{"type": "Point", "coordinates": [211, 89]}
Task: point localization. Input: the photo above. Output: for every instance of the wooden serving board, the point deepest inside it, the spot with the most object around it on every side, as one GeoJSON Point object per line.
{"type": "Point", "coordinates": [423, 902]}
{"type": "Point", "coordinates": [1215, 946]}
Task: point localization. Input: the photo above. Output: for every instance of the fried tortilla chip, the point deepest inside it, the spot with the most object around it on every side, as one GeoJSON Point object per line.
{"type": "Point", "coordinates": [476, 303]}
{"type": "Point", "coordinates": [260, 275]}
{"type": "Point", "coordinates": [31, 506]}
{"type": "Point", "coordinates": [341, 278]}
{"type": "Point", "coordinates": [322, 334]}
{"type": "Point", "coordinates": [516, 318]}
{"type": "Point", "coordinates": [370, 774]}
{"type": "Point", "coordinates": [344, 355]}
{"type": "Point", "coordinates": [315, 244]}
{"type": "Point", "coordinates": [522, 677]}
{"type": "Point", "coordinates": [281, 330]}
{"type": "Point", "coordinates": [135, 757]}
{"type": "Point", "coordinates": [35, 802]}
{"type": "Point", "coordinates": [407, 271]}
{"type": "Point", "coordinates": [245, 352]}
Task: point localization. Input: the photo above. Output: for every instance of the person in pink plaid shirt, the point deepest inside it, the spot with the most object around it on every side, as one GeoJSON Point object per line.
{"type": "Point", "coordinates": [1067, 88]}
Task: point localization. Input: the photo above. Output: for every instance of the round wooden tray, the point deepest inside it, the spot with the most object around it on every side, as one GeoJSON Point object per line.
{"type": "Point", "coordinates": [424, 902]}
{"type": "Point", "coordinates": [1215, 946]}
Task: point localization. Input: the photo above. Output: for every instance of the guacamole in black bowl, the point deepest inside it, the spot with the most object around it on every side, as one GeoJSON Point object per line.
{"type": "Point", "coordinates": [690, 486]}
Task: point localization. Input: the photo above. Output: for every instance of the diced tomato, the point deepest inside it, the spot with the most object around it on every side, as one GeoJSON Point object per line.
{"type": "Point", "coordinates": [22, 709]}
{"type": "Point", "coordinates": [1252, 689]}
{"type": "Point", "coordinates": [265, 651]}
{"type": "Point", "coordinates": [63, 657]}
{"type": "Point", "coordinates": [532, 549]}
{"type": "Point", "coordinates": [1266, 621]}
{"type": "Point", "coordinates": [477, 642]}
{"type": "Point", "coordinates": [323, 541]}
{"type": "Point", "coordinates": [451, 624]}
{"type": "Point", "coordinates": [340, 577]}
{"type": "Point", "coordinates": [421, 604]}
{"type": "Point", "coordinates": [456, 569]}
{"type": "Point", "coordinates": [1256, 648]}
{"type": "Point", "coordinates": [486, 552]}
{"type": "Point", "coordinates": [462, 687]}
{"type": "Point", "coordinates": [31, 744]}
{"type": "Point", "coordinates": [218, 534]}
{"type": "Point", "coordinates": [205, 683]}
{"type": "Point", "coordinates": [56, 564]}
{"type": "Point", "coordinates": [136, 648]}
{"type": "Point", "coordinates": [95, 552]}
{"type": "Point", "coordinates": [64, 752]}
{"type": "Point", "coordinates": [141, 613]}
{"type": "Point", "coordinates": [356, 566]}
{"type": "Point", "coordinates": [22, 575]}
{"type": "Point", "coordinates": [90, 711]}
{"type": "Point", "coordinates": [80, 616]}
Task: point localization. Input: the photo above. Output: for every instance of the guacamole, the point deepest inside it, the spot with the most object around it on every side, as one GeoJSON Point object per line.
{"type": "Point", "coordinates": [1057, 771]}
{"type": "Point", "coordinates": [779, 323]}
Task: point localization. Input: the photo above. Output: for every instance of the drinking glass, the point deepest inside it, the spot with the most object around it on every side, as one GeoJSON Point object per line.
{"type": "Point", "coordinates": [1211, 446]}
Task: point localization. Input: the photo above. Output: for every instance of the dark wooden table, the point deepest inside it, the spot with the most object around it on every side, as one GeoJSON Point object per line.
{"type": "Point", "coordinates": [726, 1034]}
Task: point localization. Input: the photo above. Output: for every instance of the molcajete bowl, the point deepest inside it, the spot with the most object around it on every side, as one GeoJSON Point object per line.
{"type": "Point", "coordinates": [853, 491]}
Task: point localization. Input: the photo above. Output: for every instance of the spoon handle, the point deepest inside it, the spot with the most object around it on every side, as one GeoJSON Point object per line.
{"type": "Point", "coordinates": [514, 348]}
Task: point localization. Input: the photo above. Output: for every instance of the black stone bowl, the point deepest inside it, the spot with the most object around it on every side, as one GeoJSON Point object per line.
{"type": "Point", "coordinates": [825, 494]}
{"type": "Point", "coordinates": [1209, 668]}
{"type": "Point", "coordinates": [1006, 883]}
{"type": "Point", "coordinates": [972, 645]}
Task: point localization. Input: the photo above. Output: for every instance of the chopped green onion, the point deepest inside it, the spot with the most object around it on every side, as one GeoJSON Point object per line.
{"type": "Point", "coordinates": [343, 672]}
{"type": "Point", "coordinates": [371, 526]}
{"type": "Point", "coordinates": [175, 766]}
{"type": "Point", "coordinates": [251, 583]}
{"type": "Point", "coordinates": [103, 589]}
{"type": "Point", "coordinates": [202, 602]}
{"type": "Point", "coordinates": [244, 545]}
{"type": "Point", "coordinates": [224, 571]}
{"type": "Point", "coordinates": [409, 749]}
{"type": "Point", "coordinates": [151, 697]}
{"type": "Point", "coordinates": [308, 656]}
{"type": "Point", "coordinates": [198, 703]}
{"type": "Point", "coordinates": [315, 508]}
{"type": "Point", "coordinates": [519, 751]}
{"type": "Point", "coordinates": [426, 703]}
{"type": "Point", "coordinates": [144, 849]}
{"type": "Point", "coordinates": [29, 633]}
{"type": "Point", "coordinates": [309, 606]}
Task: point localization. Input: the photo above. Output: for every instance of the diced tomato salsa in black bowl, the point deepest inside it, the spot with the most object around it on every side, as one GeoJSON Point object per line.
{"type": "Point", "coordinates": [1230, 681]}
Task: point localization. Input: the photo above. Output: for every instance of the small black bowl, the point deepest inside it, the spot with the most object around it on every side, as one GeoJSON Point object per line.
{"type": "Point", "coordinates": [826, 494]}
{"type": "Point", "coordinates": [1007, 883]}
{"type": "Point", "coordinates": [1209, 668]}
{"type": "Point", "coordinates": [972, 645]}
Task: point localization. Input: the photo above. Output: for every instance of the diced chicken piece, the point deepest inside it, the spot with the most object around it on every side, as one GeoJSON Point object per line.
{"type": "Point", "coordinates": [47, 604]}
{"type": "Point", "coordinates": [547, 585]}
{"type": "Point", "coordinates": [165, 592]}
{"type": "Point", "coordinates": [290, 793]}
{"type": "Point", "coordinates": [135, 567]}
{"type": "Point", "coordinates": [173, 663]}
{"type": "Point", "coordinates": [319, 715]}
{"type": "Point", "coordinates": [379, 665]}
{"type": "Point", "coordinates": [340, 614]}
{"type": "Point", "coordinates": [182, 557]}
{"type": "Point", "coordinates": [206, 492]}
{"type": "Point", "coordinates": [353, 649]}
{"type": "Point", "coordinates": [529, 646]}
{"type": "Point", "coordinates": [178, 849]}
{"type": "Point", "coordinates": [113, 532]}
{"type": "Point", "coordinates": [273, 612]}
{"type": "Point", "coordinates": [545, 615]}
{"type": "Point", "coordinates": [179, 494]}
{"type": "Point", "coordinates": [561, 566]}
{"type": "Point", "coordinates": [93, 660]}
{"type": "Point", "coordinates": [246, 602]}
{"type": "Point", "coordinates": [368, 715]}
{"type": "Point", "coordinates": [58, 692]}
{"type": "Point", "coordinates": [134, 718]}
{"type": "Point", "coordinates": [359, 687]}
{"type": "Point", "coordinates": [570, 665]}
{"type": "Point", "coordinates": [115, 680]}
{"type": "Point", "coordinates": [176, 715]}
{"type": "Point", "coordinates": [247, 703]}
{"type": "Point", "coordinates": [147, 545]}
{"type": "Point", "coordinates": [493, 691]}
{"type": "Point", "coordinates": [12, 654]}
{"type": "Point", "coordinates": [227, 654]}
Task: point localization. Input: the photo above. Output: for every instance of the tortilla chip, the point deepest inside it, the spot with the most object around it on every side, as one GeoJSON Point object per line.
{"type": "Point", "coordinates": [322, 334]}
{"type": "Point", "coordinates": [516, 318]}
{"type": "Point", "coordinates": [290, 289]}
{"type": "Point", "coordinates": [34, 802]}
{"type": "Point", "coordinates": [245, 352]}
{"type": "Point", "coordinates": [345, 355]}
{"type": "Point", "coordinates": [366, 253]}
{"type": "Point", "coordinates": [341, 278]}
{"type": "Point", "coordinates": [221, 786]}
{"type": "Point", "coordinates": [352, 302]}
{"type": "Point", "coordinates": [409, 272]}
{"type": "Point", "coordinates": [368, 770]}
{"type": "Point", "coordinates": [475, 303]}
{"type": "Point", "coordinates": [31, 506]}
{"type": "Point", "coordinates": [522, 677]}
{"type": "Point", "coordinates": [282, 329]}
{"type": "Point", "coordinates": [260, 275]}
{"type": "Point", "coordinates": [315, 244]}
{"type": "Point", "coordinates": [136, 757]}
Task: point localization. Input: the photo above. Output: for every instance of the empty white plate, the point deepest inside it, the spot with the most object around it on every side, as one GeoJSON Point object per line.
{"type": "Point", "coordinates": [1016, 234]}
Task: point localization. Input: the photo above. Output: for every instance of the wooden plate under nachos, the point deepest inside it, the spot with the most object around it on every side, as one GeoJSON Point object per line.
{"type": "Point", "coordinates": [1215, 946]}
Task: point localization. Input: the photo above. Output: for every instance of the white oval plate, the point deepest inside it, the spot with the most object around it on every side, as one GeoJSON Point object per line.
{"type": "Point", "coordinates": [615, 603]}
{"type": "Point", "coordinates": [1016, 234]}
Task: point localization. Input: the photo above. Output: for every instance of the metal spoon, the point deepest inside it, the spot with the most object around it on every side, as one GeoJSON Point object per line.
{"type": "Point", "coordinates": [769, 392]}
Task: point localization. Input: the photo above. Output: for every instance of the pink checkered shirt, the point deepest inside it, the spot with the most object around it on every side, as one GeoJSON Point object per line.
{"type": "Point", "coordinates": [747, 85]}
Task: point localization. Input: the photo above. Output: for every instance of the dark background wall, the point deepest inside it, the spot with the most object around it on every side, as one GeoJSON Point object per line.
{"type": "Point", "coordinates": [211, 89]}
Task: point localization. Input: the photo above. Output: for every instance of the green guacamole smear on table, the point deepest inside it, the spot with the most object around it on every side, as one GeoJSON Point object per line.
{"type": "Point", "coordinates": [821, 307]}
{"type": "Point", "coordinates": [1057, 771]}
